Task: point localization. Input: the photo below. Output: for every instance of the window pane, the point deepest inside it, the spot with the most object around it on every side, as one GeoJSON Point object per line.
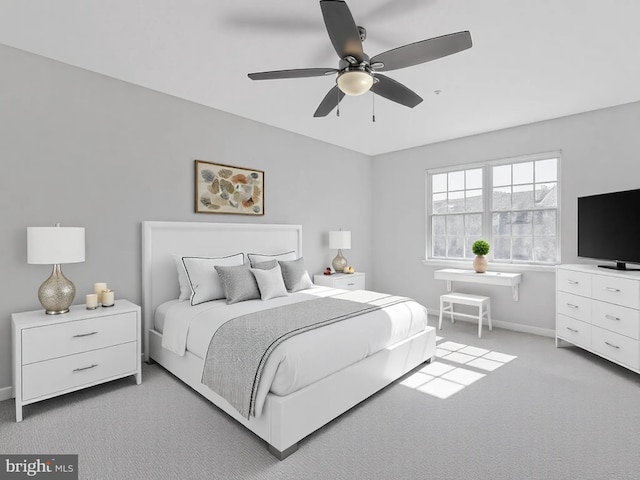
{"type": "Point", "coordinates": [439, 246]}
{"type": "Point", "coordinates": [544, 249]}
{"type": "Point", "coordinates": [521, 223]}
{"type": "Point", "coordinates": [547, 170]}
{"type": "Point", "coordinates": [522, 173]}
{"type": "Point", "coordinates": [439, 203]}
{"type": "Point", "coordinates": [438, 225]}
{"type": "Point", "coordinates": [502, 198]}
{"type": "Point", "coordinates": [502, 248]}
{"type": "Point", "coordinates": [522, 248]}
{"type": "Point", "coordinates": [474, 178]}
{"type": "Point", "coordinates": [544, 223]}
{"type": "Point", "coordinates": [502, 175]}
{"type": "Point", "coordinates": [439, 183]}
{"type": "Point", "coordinates": [522, 197]}
{"type": "Point", "coordinates": [467, 248]}
{"type": "Point", "coordinates": [456, 180]}
{"type": "Point", "coordinates": [456, 202]}
{"type": "Point", "coordinates": [474, 201]}
{"type": "Point", "coordinates": [501, 223]}
{"type": "Point", "coordinates": [455, 247]}
{"type": "Point", "coordinates": [455, 225]}
{"type": "Point", "coordinates": [473, 225]}
{"type": "Point", "coordinates": [546, 195]}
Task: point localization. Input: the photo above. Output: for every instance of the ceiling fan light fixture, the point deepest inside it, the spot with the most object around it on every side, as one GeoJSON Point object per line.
{"type": "Point", "coordinates": [355, 82]}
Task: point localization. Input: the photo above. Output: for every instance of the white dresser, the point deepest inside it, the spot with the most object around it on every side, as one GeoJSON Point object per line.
{"type": "Point", "coordinates": [346, 281]}
{"type": "Point", "coordinates": [599, 310]}
{"type": "Point", "coordinates": [57, 354]}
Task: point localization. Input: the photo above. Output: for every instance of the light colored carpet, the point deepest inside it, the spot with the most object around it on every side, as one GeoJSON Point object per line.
{"type": "Point", "coordinates": [546, 414]}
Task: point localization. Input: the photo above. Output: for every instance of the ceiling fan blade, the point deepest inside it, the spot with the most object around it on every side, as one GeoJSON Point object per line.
{"type": "Point", "coordinates": [329, 102]}
{"type": "Point", "coordinates": [424, 51]}
{"type": "Point", "coordinates": [396, 92]}
{"type": "Point", "coordinates": [342, 29]}
{"type": "Point", "coordinates": [295, 73]}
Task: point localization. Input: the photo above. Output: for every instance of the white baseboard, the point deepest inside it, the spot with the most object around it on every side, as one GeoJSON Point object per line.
{"type": "Point", "coordinates": [6, 393]}
{"type": "Point", "coordinates": [516, 327]}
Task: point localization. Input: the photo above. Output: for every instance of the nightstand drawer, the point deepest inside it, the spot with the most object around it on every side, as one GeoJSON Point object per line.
{"type": "Point", "coordinates": [350, 282]}
{"type": "Point", "coordinates": [574, 331]}
{"type": "Point", "coordinates": [619, 348]}
{"type": "Point", "coordinates": [574, 306]}
{"type": "Point", "coordinates": [73, 371]}
{"type": "Point", "coordinates": [52, 341]}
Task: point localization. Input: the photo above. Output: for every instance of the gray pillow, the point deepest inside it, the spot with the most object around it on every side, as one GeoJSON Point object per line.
{"type": "Point", "coordinates": [270, 282]}
{"type": "Point", "coordinates": [268, 265]}
{"type": "Point", "coordinates": [239, 283]}
{"type": "Point", "coordinates": [295, 275]}
{"type": "Point", "coordinates": [264, 257]}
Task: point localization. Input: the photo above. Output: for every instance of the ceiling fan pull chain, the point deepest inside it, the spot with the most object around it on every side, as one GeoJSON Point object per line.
{"type": "Point", "coordinates": [338, 104]}
{"type": "Point", "coordinates": [373, 107]}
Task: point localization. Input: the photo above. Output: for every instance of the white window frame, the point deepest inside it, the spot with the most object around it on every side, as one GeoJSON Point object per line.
{"type": "Point", "coordinates": [487, 212]}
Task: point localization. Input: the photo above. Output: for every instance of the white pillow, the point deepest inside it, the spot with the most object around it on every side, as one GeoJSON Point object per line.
{"type": "Point", "coordinates": [265, 257]}
{"type": "Point", "coordinates": [183, 280]}
{"type": "Point", "coordinates": [270, 282]}
{"type": "Point", "coordinates": [204, 282]}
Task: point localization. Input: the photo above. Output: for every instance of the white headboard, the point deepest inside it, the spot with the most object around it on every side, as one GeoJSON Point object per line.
{"type": "Point", "coordinates": [162, 239]}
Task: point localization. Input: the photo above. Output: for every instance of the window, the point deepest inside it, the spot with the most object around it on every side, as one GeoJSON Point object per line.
{"type": "Point", "coordinates": [513, 204]}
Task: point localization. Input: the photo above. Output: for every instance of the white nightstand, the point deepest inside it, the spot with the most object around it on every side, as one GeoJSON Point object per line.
{"type": "Point", "coordinates": [346, 281]}
{"type": "Point", "coordinates": [57, 354]}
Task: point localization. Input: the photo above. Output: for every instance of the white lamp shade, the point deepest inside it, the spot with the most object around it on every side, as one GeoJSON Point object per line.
{"type": "Point", "coordinates": [53, 245]}
{"type": "Point", "coordinates": [339, 240]}
{"type": "Point", "coordinates": [355, 82]}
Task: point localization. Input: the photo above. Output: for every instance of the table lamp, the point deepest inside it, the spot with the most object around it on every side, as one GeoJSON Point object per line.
{"type": "Point", "coordinates": [339, 240]}
{"type": "Point", "coordinates": [55, 246]}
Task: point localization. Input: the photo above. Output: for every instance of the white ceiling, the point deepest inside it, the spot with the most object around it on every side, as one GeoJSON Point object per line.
{"type": "Point", "coordinates": [531, 60]}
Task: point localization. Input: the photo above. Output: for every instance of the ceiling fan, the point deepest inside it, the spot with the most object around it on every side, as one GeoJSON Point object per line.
{"type": "Point", "coordinates": [357, 73]}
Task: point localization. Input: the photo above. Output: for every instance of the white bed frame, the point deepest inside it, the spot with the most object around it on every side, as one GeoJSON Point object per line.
{"type": "Point", "coordinates": [284, 420]}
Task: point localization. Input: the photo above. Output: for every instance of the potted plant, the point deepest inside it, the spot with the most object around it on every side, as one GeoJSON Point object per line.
{"type": "Point", "coordinates": [480, 248]}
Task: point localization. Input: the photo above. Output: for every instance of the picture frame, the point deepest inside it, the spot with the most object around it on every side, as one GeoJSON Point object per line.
{"type": "Point", "coordinates": [228, 189]}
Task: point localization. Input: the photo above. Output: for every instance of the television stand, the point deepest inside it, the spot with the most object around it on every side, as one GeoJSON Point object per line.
{"type": "Point", "coordinates": [620, 266]}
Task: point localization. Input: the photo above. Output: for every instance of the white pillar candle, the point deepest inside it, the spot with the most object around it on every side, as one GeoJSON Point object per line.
{"type": "Point", "coordinates": [98, 288]}
{"type": "Point", "coordinates": [108, 298]}
{"type": "Point", "coordinates": [92, 301]}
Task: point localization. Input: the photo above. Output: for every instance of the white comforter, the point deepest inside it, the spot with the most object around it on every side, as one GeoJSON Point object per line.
{"type": "Point", "coordinates": [302, 359]}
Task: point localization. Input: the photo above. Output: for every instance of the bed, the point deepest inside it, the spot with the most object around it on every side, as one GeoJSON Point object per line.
{"type": "Point", "coordinates": [284, 415]}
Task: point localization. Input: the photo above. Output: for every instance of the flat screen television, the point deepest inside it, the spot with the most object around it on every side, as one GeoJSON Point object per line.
{"type": "Point", "coordinates": [609, 228]}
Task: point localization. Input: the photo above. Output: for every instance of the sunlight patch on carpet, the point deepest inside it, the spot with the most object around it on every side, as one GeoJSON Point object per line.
{"type": "Point", "coordinates": [443, 378]}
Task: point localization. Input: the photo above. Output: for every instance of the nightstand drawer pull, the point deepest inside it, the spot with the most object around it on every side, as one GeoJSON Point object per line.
{"type": "Point", "coordinates": [85, 368]}
{"type": "Point", "coordinates": [573, 282]}
{"type": "Point", "coordinates": [572, 330]}
{"type": "Point", "coordinates": [612, 345]}
{"type": "Point", "coordinates": [84, 334]}
{"type": "Point", "coordinates": [571, 305]}
{"type": "Point", "coordinates": [611, 289]}
{"type": "Point", "coordinates": [611, 317]}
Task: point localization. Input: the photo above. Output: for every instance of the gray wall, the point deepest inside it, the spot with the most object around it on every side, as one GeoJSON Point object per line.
{"type": "Point", "coordinates": [599, 154]}
{"type": "Point", "coordinates": [87, 150]}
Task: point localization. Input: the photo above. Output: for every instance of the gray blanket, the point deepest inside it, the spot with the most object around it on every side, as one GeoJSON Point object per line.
{"type": "Point", "coordinates": [240, 348]}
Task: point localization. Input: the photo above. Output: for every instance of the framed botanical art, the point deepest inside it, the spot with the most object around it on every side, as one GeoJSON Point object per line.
{"type": "Point", "coordinates": [227, 189]}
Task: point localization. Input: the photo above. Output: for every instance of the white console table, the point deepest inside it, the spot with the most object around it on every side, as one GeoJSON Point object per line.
{"type": "Point", "coordinates": [489, 278]}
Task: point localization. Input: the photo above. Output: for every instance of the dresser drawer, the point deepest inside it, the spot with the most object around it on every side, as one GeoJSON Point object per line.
{"type": "Point", "coordinates": [74, 371]}
{"type": "Point", "coordinates": [621, 291]}
{"type": "Point", "coordinates": [574, 331]}
{"type": "Point", "coordinates": [617, 347]}
{"type": "Point", "coordinates": [350, 282]}
{"type": "Point", "coordinates": [574, 306]}
{"type": "Point", "coordinates": [622, 320]}
{"type": "Point", "coordinates": [574, 282]}
{"type": "Point", "coordinates": [52, 341]}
